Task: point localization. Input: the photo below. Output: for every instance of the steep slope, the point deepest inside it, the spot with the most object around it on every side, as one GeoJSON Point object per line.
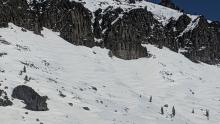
{"type": "Point", "coordinates": [85, 85]}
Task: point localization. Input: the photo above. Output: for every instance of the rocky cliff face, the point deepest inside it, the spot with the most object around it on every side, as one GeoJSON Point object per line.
{"type": "Point", "coordinates": [120, 30]}
{"type": "Point", "coordinates": [71, 19]}
{"type": "Point", "coordinates": [202, 43]}
{"type": "Point", "coordinates": [124, 36]}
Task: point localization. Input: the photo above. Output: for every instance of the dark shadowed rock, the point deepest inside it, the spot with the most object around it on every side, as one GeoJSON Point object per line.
{"type": "Point", "coordinates": [71, 19]}
{"type": "Point", "coordinates": [4, 100]}
{"type": "Point", "coordinates": [124, 36]}
{"type": "Point", "coordinates": [202, 43]}
{"type": "Point", "coordinates": [182, 22]}
{"type": "Point", "coordinates": [32, 99]}
{"type": "Point", "coordinates": [86, 108]}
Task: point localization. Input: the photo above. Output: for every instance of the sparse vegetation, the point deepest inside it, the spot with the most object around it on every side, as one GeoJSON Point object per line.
{"type": "Point", "coordinates": [27, 79]}
{"type": "Point", "coordinates": [24, 69]}
{"type": "Point", "coordinates": [71, 104]}
{"type": "Point", "coordinates": [94, 88]}
{"type": "Point", "coordinates": [166, 105]}
{"type": "Point", "coordinates": [150, 99]}
{"type": "Point", "coordinates": [24, 48]}
{"type": "Point", "coordinates": [61, 94]}
{"type": "Point", "coordinates": [29, 64]}
{"type": "Point", "coordinates": [37, 120]}
{"type": "Point", "coordinates": [86, 108]}
{"type": "Point", "coordinates": [193, 111]}
{"type": "Point", "coordinates": [207, 113]}
{"type": "Point", "coordinates": [2, 54]}
{"type": "Point", "coordinates": [173, 111]}
{"type": "Point", "coordinates": [2, 71]}
{"type": "Point", "coordinates": [110, 54]}
{"type": "Point", "coordinates": [161, 111]}
{"type": "Point", "coordinates": [4, 42]}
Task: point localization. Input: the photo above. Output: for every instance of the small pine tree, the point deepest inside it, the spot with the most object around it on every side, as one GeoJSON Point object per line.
{"type": "Point", "coordinates": [193, 111]}
{"type": "Point", "coordinates": [161, 111]}
{"type": "Point", "coordinates": [173, 111]}
{"type": "Point", "coordinates": [24, 69]}
{"type": "Point", "coordinates": [110, 54]}
{"type": "Point", "coordinates": [207, 114]}
{"type": "Point", "coordinates": [26, 78]}
{"type": "Point", "coordinates": [150, 99]}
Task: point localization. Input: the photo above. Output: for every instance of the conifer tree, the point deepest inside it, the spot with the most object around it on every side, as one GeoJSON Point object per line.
{"type": "Point", "coordinates": [24, 69]}
{"type": "Point", "coordinates": [26, 78]}
{"type": "Point", "coordinates": [150, 99]}
{"type": "Point", "coordinates": [161, 111]}
{"type": "Point", "coordinates": [193, 111]}
{"type": "Point", "coordinates": [173, 111]}
{"type": "Point", "coordinates": [207, 114]}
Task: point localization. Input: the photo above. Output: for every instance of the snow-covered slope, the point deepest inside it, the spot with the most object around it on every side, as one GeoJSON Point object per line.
{"type": "Point", "coordinates": [116, 91]}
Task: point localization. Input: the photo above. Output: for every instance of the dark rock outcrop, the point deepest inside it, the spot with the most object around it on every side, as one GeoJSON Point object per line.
{"type": "Point", "coordinates": [4, 100]}
{"type": "Point", "coordinates": [71, 19]}
{"type": "Point", "coordinates": [182, 23]}
{"type": "Point", "coordinates": [202, 43]}
{"type": "Point", "coordinates": [32, 99]}
{"type": "Point", "coordinates": [173, 30]}
{"type": "Point", "coordinates": [199, 42]}
{"type": "Point", "coordinates": [124, 36]}
{"type": "Point", "coordinates": [20, 13]}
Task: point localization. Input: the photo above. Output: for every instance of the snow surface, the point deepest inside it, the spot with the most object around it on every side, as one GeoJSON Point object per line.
{"type": "Point", "coordinates": [123, 87]}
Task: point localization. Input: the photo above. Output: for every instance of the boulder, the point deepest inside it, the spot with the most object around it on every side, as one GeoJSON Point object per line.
{"type": "Point", "coordinates": [32, 99]}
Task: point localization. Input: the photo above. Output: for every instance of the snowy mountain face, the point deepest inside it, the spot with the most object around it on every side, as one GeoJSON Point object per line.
{"type": "Point", "coordinates": [132, 62]}
{"type": "Point", "coordinates": [85, 85]}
